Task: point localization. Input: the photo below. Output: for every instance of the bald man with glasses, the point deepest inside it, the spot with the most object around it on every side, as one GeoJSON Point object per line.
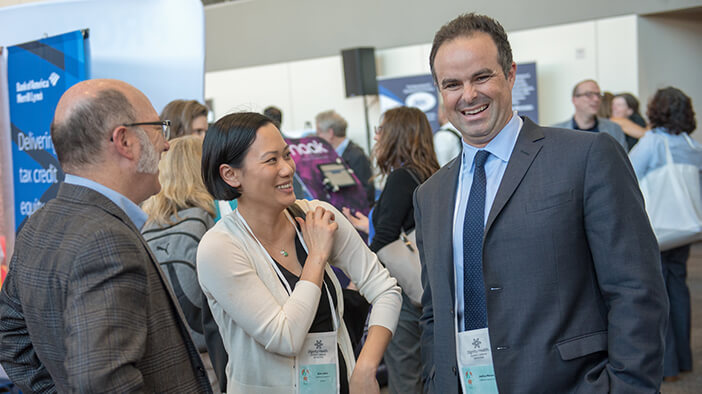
{"type": "Point", "coordinates": [85, 307]}
{"type": "Point", "coordinates": [586, 100]}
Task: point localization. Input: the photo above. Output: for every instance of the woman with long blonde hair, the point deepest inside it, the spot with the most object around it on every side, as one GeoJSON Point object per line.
{"type": "Point", "coordinates": [404, 154]}
{"type": "Point", "coordinates": [181, 183]}
{"type": "Point", "coordinates": [179, 215]}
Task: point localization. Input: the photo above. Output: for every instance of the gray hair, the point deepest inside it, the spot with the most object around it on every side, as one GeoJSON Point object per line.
{"type": "Point", "coordinates": [78, 139]}
{"type": "Point", "coordinates": [331, 120]}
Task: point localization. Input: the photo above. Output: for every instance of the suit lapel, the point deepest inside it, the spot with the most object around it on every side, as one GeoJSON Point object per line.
{"type": "Point", "coordinates": [528, 145]}
{"type": "Point", "coordinates": [444, 220]}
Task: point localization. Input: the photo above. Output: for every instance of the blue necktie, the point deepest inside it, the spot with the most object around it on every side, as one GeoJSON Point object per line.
{"type": "Point", "coordinates": [474, 305]}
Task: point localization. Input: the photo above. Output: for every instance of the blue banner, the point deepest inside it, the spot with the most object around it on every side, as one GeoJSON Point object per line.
{"type": "Point", "coordinates": [524, 94]}
{"type": "Point", "coordinates": [38, 73]}
{"type": "Point", "coordinates": [416, 91]}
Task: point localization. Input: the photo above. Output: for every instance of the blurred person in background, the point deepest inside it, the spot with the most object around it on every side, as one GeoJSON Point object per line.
{"type": "Point", "coordinates": [266, 271]}
{"type": "Point", "coordinates": [275, 115]}
{"type": "Point", "coordinates": [187, 117]}
{"type": "Point", "coordinates": [672, 119]}
{"type": "Point", "coordinates": [605, 110]}
{"type": "Point", "coordinates": [179, 215]}
{"type": "Point", "coordinates": [331, 127]}
{"type": "Point", "coordinates": [447, 140]}
{"type": "Point", "coordinates": [404, 153]}
{"type": "Point", "coordinates": [190, 117]}
{"type": "Point", "coordinates": [586, 102]}
{"type": "Point", "coordinates": [625, 113]}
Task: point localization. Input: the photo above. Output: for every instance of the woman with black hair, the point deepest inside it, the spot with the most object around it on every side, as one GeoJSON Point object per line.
{"type": "Point", "coordinates": [266, 272]}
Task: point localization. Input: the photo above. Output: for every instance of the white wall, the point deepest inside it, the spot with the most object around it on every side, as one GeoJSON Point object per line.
{"type": "Point", "coordinates": [603, 50]}
{"type": "Point", "coordinates": [670, 54]}
{"type": "Point", "coordinates": [564, 55]}
{"type": "Point", "coordinates": [276, 31]}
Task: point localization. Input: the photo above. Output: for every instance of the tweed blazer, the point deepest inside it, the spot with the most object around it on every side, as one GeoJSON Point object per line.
{"type": "Point", "coordinates": [85, 307]}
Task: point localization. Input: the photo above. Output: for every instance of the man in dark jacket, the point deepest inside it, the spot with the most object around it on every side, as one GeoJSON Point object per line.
{"type": "Point", "coordinates": [332, 128]}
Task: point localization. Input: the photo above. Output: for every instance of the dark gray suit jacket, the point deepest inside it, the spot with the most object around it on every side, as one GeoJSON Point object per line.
{"type": "Point", "coordinates": [575, 297]}
{"type": "Point", "coordinates": [85, 307]}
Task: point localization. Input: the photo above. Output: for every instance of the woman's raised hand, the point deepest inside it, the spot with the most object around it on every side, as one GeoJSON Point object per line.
{"type": "Point", "coordinates": [318, 231]}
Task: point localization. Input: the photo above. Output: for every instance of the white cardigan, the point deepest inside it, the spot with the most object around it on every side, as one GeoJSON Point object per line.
{"type": "Point", "coordinates": [263, 328]}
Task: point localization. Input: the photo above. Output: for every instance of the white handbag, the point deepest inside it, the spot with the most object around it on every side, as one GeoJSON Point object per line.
{"type": "Point", "coordinates": [401, 258]}
{"type": "Point", "coordinates": [674, 201]}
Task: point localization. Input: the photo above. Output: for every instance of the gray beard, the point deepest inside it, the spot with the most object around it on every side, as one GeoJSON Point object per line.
{"type": "Point", "coordinates": [148, 161]}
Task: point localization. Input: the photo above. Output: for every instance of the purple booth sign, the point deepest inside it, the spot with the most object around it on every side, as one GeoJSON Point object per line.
{"type": "Point", "coordinates": [311, 152]}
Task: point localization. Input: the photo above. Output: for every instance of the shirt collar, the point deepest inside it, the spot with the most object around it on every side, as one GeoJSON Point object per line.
{"type": "Point", "coordinates": [593, 128]}
{"type": "Point", "coordinates": [501, 146]}
{"type": "Point", "coordinates": [342, 147]}
{"type": "Point", "coordinates": [135, 214]}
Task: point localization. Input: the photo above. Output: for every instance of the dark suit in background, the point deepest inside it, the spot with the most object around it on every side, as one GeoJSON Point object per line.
{"type": "Point", "coordinates": [356, 158]}
{"type": "Point", "coordinates": [86, 308]}
{"type": "Point", "coordinates": [575, 298]}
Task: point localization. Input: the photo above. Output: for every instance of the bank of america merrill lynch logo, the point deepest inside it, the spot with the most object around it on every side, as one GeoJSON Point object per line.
{"type": "Point", "coordinates": [53, 78]}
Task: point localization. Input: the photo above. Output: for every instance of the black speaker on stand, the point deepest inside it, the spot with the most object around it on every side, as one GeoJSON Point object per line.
{"type": "Point", "coordinates": [360, 78]}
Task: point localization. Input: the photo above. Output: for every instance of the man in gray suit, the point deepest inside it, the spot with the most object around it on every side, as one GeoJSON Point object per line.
{"type": "Point", "coordinates": [586, 100]}
{"type": "Point", "coordinates": [85, 306]}
{"type": "Point", "coordinates": [540, 270]}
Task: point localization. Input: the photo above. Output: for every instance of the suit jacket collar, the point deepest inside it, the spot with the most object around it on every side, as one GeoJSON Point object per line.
{"type": "Point", "coordinates": [528, 145]}
{"type": "Point", "coordinates": [86, 196]}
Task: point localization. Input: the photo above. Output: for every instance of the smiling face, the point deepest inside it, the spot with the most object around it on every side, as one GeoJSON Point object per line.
{"type": "Point", "coordinates": [477, 95]}
{"type": "Point", "coordinates": [266, 176]}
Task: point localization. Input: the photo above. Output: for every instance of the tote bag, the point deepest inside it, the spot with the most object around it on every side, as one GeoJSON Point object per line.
{"type": "Point", "coordinates": [401, 258]}
{"type": "Point", "coordinates": [673, 202]}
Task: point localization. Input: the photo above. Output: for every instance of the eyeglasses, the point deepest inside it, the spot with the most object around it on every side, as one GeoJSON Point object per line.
{"type": "Point", "coordinates": [590, 95]}
{"type": "Point", "coordinates": [165, 127]}
{"type": "Point", "coordinates": [378, 129]}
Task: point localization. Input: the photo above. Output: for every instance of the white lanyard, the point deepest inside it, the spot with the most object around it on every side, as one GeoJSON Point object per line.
{"type": "Point", "coordinates": [280, 274]}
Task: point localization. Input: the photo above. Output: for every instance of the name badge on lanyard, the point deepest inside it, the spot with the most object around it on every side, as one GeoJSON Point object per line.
{"type": "Point", "coordinates": [475, 362]}
{"type": "Point", "coordinates": [319, 367]}
{"type": "Point", "coordinates": [317, 362]}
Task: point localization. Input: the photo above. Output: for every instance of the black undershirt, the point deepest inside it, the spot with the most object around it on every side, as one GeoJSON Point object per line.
{"type": "Point", "coordinates": [323, 321]}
